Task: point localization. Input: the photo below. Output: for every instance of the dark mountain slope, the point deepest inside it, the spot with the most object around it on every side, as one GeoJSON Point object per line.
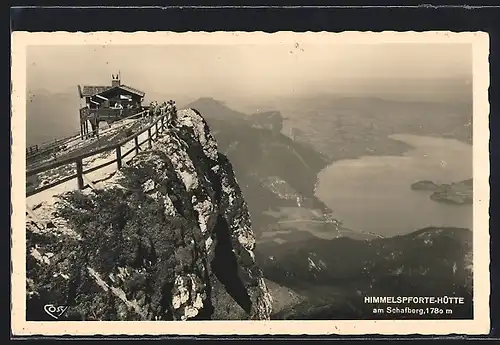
{"type": "Point", "coordinates": [336, 275]}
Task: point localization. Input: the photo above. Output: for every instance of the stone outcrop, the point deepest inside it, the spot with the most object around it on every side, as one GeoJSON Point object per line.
{"type": "Point", "coordinates": [458, 193]}
{"type": "Point", "coordinates": [168, 237]}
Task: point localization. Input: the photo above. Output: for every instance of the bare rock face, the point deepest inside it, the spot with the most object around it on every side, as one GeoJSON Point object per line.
{"type": "Point", "coordinates": [168, 237]}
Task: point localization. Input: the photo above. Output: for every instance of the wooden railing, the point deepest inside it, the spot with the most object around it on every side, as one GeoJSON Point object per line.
{"type": "Point", "coordinates": [159, 125]}
{"type": "Point", "coordinates": [44, 147]}
{"type": "Point", "coordinates": [40, 152]}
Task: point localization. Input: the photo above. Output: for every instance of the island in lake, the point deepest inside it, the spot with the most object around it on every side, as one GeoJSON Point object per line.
{"type": "Point", "coordinates": [455, 193]}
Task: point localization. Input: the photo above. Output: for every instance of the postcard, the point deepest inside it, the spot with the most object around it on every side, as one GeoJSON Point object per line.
{"type": "Point", "coordinates": [250, 183]}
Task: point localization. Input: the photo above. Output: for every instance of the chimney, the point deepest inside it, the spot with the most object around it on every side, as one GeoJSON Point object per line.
{"type": "Point", "coordinates": [115, 81]}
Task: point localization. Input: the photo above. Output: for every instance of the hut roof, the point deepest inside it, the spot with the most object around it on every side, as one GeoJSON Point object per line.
{"type": "Point", "coordinates": [89, 90]}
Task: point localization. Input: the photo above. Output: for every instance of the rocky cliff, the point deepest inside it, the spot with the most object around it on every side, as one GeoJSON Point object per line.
{"type": "Point", "coordinates": [168, 237]}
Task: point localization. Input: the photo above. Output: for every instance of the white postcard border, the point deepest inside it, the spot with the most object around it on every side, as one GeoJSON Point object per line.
{"type": "Point", "coordinates": [481, 239]}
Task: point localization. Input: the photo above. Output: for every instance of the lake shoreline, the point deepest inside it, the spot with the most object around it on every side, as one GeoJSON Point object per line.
{"type": "Point", "coordinates": [354, 157]}
{"type": "Point", "coordinates": [366, 165]}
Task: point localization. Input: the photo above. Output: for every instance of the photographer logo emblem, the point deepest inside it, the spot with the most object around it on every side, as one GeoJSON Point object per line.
{"type": "Point", "coordinates": [55, 311]}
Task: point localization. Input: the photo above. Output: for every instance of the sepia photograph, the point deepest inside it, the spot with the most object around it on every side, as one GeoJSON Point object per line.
{"type": "Point", "coordinates": [336, 179]}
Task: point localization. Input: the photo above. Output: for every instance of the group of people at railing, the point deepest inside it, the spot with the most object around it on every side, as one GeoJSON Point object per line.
{"type": "Point", "coordinates": [155, 109]}
{"type": "Point", "coordinates": [166, 108]}
{"type": "Point", "coordinates": [123, 111]}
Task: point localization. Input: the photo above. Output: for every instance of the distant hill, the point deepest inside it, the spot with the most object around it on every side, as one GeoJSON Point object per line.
{"type": "Point", "coordinates": [215, 110]}
{"type": "Point", "coordinates": [344, 127]}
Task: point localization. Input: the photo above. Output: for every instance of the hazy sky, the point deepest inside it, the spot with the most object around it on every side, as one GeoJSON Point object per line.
{"type": "Point", "coordinates": [244, 76]}
{"type": "Point", "coordinates": [243, 70]}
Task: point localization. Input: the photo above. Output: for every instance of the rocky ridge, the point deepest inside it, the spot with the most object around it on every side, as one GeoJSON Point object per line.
{"type": "Point", "coordinates": [168, 237]}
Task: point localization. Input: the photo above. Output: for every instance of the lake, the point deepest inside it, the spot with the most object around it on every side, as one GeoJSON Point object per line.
{"type": "Point", "coordinates": [373, 193]}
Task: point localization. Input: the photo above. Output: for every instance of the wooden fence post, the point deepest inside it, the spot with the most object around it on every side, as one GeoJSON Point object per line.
{"type": "Point", "coordinates": [136, 140]}
{"type": "Point", "coordinates": [149, 138]}
{"type": "Point", "coordinates": [79, 173]}
{"type": "Point", "coordinates": [119, 156]}
{"type": "Point", "coordinates": [156, 126]}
